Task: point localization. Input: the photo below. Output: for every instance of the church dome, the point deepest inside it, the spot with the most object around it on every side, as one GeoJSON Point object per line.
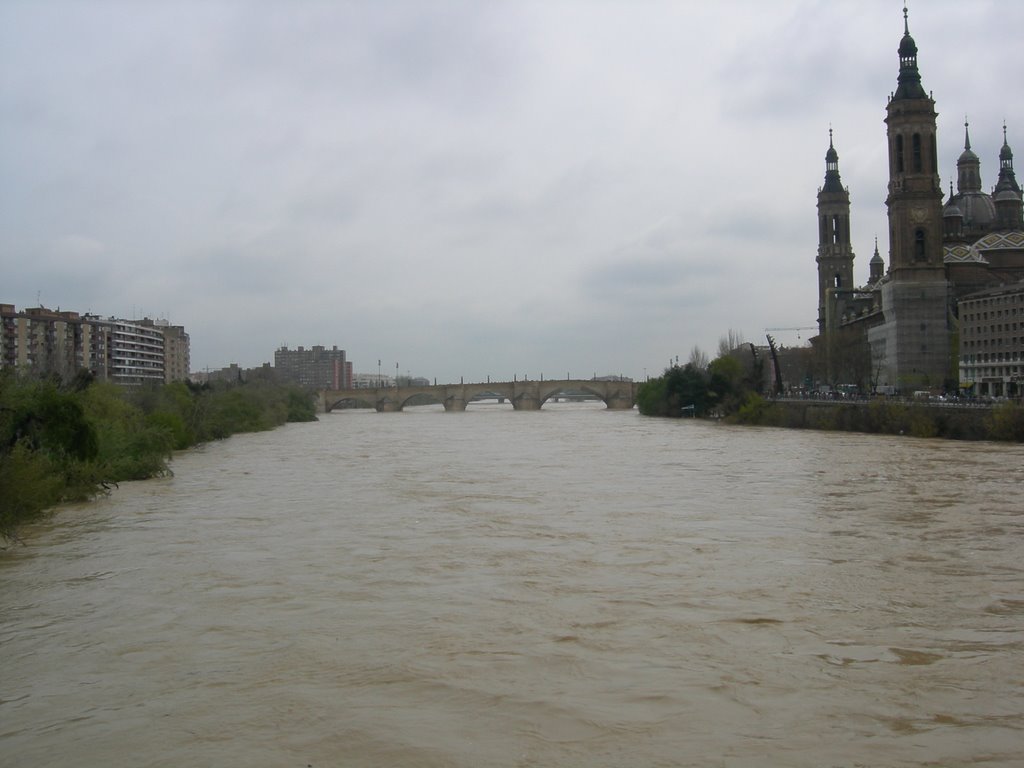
{"type": "Point", "coordinates": [1000, 241]}
{"type": "Point", "coordinates": [968, 156]}
{"type": "Point", "coordinates": [908, 47]}
{"type": "Point", "coordinates": [978, 209]}
{"type": "Point", "coordinates": [968, 167]}
{"type": "Point", "coordinates": [1007, 194]}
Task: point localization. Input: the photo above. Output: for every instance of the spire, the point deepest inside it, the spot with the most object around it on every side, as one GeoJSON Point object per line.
{"type": "Point", "coordinates": [1007, 178]}
{"type": "Point", "coordinates": [952, 211]}
{"type": "Point", "coordinates": [876, 266]}
{"type": "Point", "coordinates": [832, 181]}
{"type": "Point", "coordinates": [1007, 194]}
{"type": "Point", "coordinates": [1005, 155]}
{"type": "Point", "coordinates": [909, 83]}
{"type": "Point", "coordinates": [968, 166]}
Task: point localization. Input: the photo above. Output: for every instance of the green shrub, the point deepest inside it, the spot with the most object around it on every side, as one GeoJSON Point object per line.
{"type": "Point", "coordinates": [1006, 422]}
{"type": "Point", "coordinates": [69, 443]}
{"type": "Point", "coordinates": [181, 436]}
{"type": "Point", "coordinates": [29, 484]}
{"type": "Point", "coordinates": [922, 423]}
{"type": "Point", "coordinates": [300, 406]}
{"type": "Point", "coordinates": [755, 410]}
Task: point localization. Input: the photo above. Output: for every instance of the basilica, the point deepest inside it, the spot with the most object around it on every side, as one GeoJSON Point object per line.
{"type": "Point", "coordinates": [948, 312]}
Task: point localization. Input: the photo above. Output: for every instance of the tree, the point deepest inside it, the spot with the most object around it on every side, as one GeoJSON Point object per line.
{"type": "Point", "coordinates": [731, 341]}
{"type": "Point", "coordinates": [726, 380]}
{"type": "Point", "coordinates": [698, 358]}
{"type": "Point", "coordinates": [680, 391]}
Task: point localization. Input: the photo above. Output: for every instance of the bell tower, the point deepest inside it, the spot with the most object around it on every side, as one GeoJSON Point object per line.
{"type": "Point", "coordinates": [1007, 192]}
{"type": "Point", "coordinates": [915, 192]}
{"type": "Point", "coordinates": [835, 255]}
{"type": "Point", "coordinates": [911, 348]}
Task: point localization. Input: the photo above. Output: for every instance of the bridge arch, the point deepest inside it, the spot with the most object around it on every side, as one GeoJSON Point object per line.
{"type": "Point", "coordinates": [524, 395]}
{"type": "Point", "coordinates": [552, 389]}
{"type": "Point", "coordinates": [330, 404]}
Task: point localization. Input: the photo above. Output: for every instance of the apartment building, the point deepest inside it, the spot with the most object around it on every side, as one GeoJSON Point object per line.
{"type": "Point", "coordinates": [176, 349]}
{"type": "Point", "coordinates": [992, 341]}
{"type": "Point", "coordinates": [43, 341]}
{"type": "Point", "coordinates": [314, 368]}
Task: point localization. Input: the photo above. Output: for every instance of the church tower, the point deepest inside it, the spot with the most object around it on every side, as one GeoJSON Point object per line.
{"type": "Point", "coordinates": [915, 193]}
{"type": "Point", "coordinates": [876, 267]}
{"type": "Point", "coordinates": [835, 255]}
{"type": "Point", "coordinates": [911, 348]}
{"type": "Point", "coordinates": [1007, 192]}
{"type": "Point", "coordinates": [969, 214]}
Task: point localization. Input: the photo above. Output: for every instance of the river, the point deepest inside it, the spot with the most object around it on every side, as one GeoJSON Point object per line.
{"type": "Point", "coordinates": [567, 587]}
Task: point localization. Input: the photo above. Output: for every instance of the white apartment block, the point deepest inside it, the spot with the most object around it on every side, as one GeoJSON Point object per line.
{"type": "Point", "coordinates": [40, 341]}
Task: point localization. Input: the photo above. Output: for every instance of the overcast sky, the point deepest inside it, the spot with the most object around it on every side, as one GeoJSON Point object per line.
{"type": "Point", "coordinates": [478, 188]}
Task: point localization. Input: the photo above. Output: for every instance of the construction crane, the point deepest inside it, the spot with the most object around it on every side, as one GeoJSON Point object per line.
{"type": "Point", "coordinates": [795, 328]}
{"type": "Point", "coordinates": [774, 351]}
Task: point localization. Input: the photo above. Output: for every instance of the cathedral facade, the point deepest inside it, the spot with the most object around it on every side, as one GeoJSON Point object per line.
{"type": "Point", "coordinates": [905, 317]}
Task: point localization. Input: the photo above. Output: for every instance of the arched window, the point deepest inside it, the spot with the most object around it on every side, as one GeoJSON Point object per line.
{"type": "Point", "coordinates": [836, 229]}
{"type": "Point", "coordinates": [899, 154]}
{"type": "Point", "coordinates": [838, 281]}
{"type": "Point", "coordinates": [919, 254]}
{"type": "Point", "coordinates": [917, 152]}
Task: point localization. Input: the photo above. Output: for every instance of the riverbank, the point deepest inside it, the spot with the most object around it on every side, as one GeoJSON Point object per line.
{"type": "Point", "coordinates": [69, 441]}
{"type": "Point", "coordinates": [1002, 422]}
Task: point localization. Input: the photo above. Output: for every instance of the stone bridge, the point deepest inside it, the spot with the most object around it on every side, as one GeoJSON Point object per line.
{"type": "Point", "coordinates": [524, 395]}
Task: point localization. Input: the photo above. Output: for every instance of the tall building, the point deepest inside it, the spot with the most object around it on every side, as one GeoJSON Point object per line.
{"type": "Point", "coordinates": [41, 340]}
{"type": "Point", "coordinates": [44, 341]}
{"type": "Point", "coordinates": [992, 340]}
{"type": "Point", "coordinates": [938, 253]}
{"type": "Point", "coordinates": [835, 253]}
{"type": "Point", "coordinates": [135, 351]}
{"type": "Point", "coordinates": [314, 368]}
{"type": "Point", "coordinates": [176, 349]}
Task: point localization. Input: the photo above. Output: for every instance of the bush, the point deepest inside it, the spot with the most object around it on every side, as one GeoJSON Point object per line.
{"type": "Point", "coordinates": [28, 486]}
{"type": "Point", "coordinates": [1006, 422]}
{"type": "Point", "coordinates": [70, 443]}
{"type": "Point", "coordinates": [753, 411]}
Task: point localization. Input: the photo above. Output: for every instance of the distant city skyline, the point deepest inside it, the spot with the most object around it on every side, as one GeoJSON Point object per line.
{"type": "Point", "coordinates": [466, 189]}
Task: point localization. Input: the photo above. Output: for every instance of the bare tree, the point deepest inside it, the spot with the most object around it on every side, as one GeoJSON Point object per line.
{"type": "Point", "coordinates": [699, 358]}
{"type": "Point", "coordinates": [732, 340]}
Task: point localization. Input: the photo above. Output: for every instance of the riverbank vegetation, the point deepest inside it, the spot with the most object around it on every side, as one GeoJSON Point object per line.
{"type": "Point", "coordinates": [732, 387]}
{"type": "Point", "coordinates": [885, 416]}
{"type": "Point", "coordinates": [68, 441]}
{"type": "Point", "coordinates": [702, 388]}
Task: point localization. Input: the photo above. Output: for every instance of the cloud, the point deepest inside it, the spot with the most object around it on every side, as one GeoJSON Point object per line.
{"type": "Point", "coordinates": [464, 187]}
